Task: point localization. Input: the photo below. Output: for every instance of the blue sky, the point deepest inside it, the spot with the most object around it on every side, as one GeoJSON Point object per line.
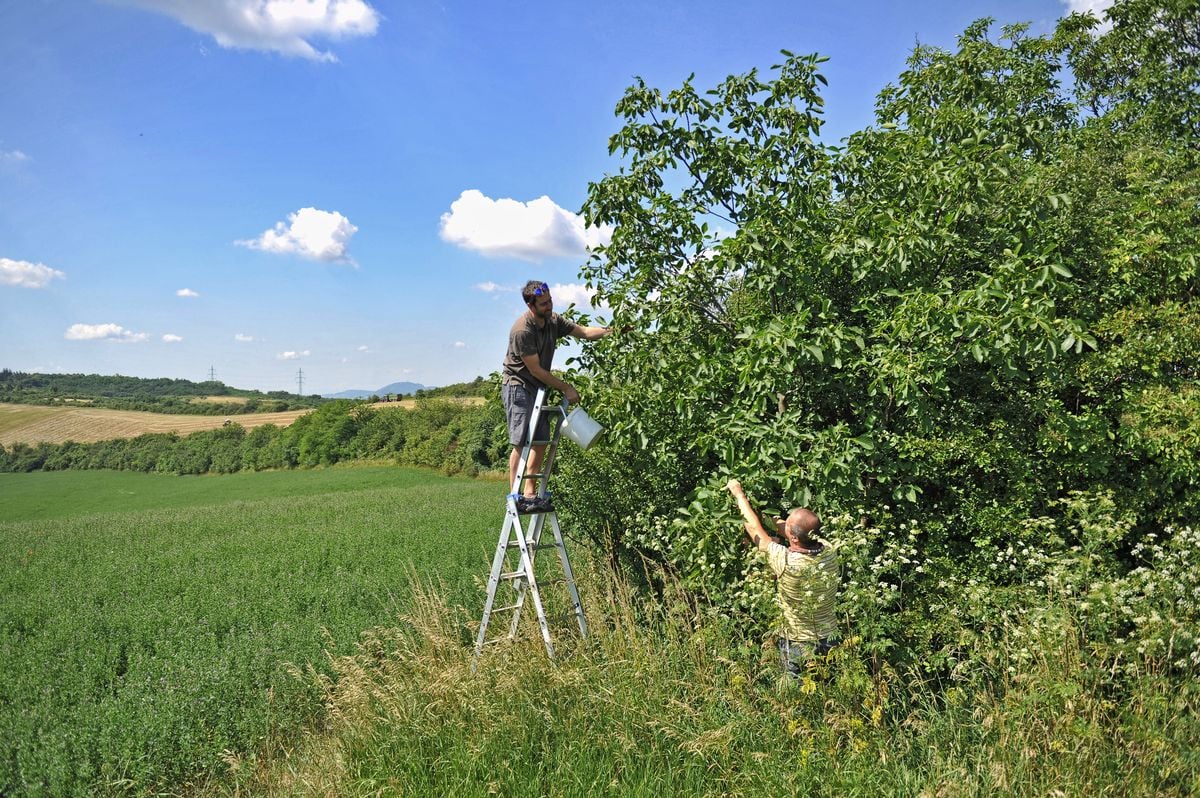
{"type": "Point", "coordinates": [354, 190]}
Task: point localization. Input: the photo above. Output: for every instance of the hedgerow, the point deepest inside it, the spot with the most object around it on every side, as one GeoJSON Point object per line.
{"type": "Point", "coordinates": [445, 435]}
{"type": "Point", "coordinates": [967, 337]}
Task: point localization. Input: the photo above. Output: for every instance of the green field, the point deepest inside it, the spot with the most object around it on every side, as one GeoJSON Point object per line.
{"type": "Point", "coordinates": [263, 634]}
{"type": "Point", "coordinates": [150, 623]}
{"type": "Point", "coordinates": [66, 494]}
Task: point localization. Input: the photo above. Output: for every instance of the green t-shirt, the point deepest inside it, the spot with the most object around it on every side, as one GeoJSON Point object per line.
{"type": "Point", "coordinates": [527, 338]}
{"type": "Point", "coordinates": [806, 586]}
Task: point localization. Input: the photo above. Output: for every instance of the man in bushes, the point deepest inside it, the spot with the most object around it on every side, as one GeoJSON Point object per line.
{"type": "Point", "coordinates": [531, 344]}
{"type": "Point", "coordinates": [806, 580]}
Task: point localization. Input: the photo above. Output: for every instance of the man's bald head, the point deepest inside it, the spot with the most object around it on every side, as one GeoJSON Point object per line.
{"type": "Point", "coordinates": [803, 524]}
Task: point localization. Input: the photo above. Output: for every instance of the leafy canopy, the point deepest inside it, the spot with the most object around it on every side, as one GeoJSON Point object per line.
{"type": "Point", "coordinates": [961, 316]}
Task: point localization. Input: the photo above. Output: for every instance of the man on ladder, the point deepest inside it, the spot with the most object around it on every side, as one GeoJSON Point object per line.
{"type": "Point", "coordinates": [531, 344]}
{"type": "Point", "coordinates": [527, 383]}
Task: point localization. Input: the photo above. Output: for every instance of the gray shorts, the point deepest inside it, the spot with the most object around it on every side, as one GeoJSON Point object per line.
{"type": "Point", "coordinates": [795, 654]}
{"type": "Point", "coordinates": [518, 409]}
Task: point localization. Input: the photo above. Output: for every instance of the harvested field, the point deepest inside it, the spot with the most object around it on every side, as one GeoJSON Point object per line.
{"type": "Point", "coordinates": [220, 400]}
{"type": "Point", "coordinates": [33, 424]}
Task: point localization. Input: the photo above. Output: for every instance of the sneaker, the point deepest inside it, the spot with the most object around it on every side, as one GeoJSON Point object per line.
{"type": "Point", "coordinates": [526, 505]}
{"type": "Point", "coordinates": [541, 504]}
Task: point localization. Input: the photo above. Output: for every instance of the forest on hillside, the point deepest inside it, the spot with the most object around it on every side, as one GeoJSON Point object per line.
{"type": "Point", "coordinates": [159, 395]}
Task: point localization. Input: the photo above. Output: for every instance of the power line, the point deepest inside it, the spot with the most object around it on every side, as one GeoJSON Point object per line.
{"type": "Point", "coordinates": [212, 374]}
{"type": "Point", "coordinates": [300, 382]}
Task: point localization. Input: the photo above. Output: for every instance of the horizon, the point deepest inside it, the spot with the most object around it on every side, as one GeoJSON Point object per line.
{"type": "Point", "coordinates": [354, 191]}
{"type": "Point", "coordinates": [367, 391]}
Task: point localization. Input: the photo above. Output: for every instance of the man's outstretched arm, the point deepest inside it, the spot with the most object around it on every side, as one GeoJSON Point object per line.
{"type": "Point", "coordinates": [754, 528]}
{"type": "Point", "coordinates": [590, 333]}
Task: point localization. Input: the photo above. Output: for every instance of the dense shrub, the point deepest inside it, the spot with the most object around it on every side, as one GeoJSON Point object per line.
{"type": "Point", "coordinates": [979, 308]}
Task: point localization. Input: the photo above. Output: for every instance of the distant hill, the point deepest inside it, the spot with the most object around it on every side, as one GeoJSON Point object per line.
{"type": "Point", "coordinates": [395, 387]}
{"type": "Point", "coordinates": [402, 387]}
{"type": "Point", "coordinates": [478, 387]}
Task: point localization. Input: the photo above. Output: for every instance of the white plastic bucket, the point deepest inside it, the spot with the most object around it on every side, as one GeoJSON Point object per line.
{"type": "Point", "coordinates": [581, 428]}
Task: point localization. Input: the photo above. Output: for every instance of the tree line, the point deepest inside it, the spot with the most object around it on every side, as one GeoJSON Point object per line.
{"type": "Point", "coordinates": [448, 436]}
{"type": "Point", "coordinates": [157, 395]}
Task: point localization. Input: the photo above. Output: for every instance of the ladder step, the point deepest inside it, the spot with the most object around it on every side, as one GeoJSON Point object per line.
{"type": "Point", "coordinates": [509, 608]}
{"type": "Point", "coordinates": [512, 575]}
{"type": "Point", "coordinates": [515, 545]}
{"type": "Point", "coordinates": [512, 506]}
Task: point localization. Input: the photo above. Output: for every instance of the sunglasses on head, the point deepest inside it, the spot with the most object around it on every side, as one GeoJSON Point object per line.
{"type": "Point", "coordinates": [541, 289]}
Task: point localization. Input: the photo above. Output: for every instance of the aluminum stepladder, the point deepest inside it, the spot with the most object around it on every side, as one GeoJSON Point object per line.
{"type": "Point", "coordinates": [527, 540]}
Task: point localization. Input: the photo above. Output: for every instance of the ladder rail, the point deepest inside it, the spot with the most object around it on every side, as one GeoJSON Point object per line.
{"type": "Point", "coordinates": [529, 585]}
{"type": "Point", "coordinates": [569, 576]}
{"type": "Point", "coordinates": [551, 451]}
{"type": "Point", "coordinates": [493, 582]}
{"type": "Point", "coordinates": [521, 587]}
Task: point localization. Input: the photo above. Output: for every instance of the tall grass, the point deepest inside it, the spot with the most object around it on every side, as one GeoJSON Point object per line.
{"type": "Point", "coordinates": [141, 649]}
{"type": "Point", "coordinates": [661, 701]}
{"type": "Point", "coordinates": [215, 646]}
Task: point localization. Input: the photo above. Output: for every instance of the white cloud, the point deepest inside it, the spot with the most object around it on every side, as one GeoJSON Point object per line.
{"type": "Point", "coordinates": [1094, 7]}
{"type": "Point", "coordinates": [566, 293]}
{"type": "Point", "coordinates": [171, 339]}
{"type": "Point", "coordinates": [243, 338]}
{"type": "Point", "coordinates": [103, 332]}
{"type": "Point", "coordinates": [459, 345]}
{"type": "Point", "coordinates": [363, 348]}
{"type": "Point", "coordinates": [186, 292]}
{"type": "Point", "coordinates": [293, 355]}
{"type": "Point", "coordinates": [13, 156]}
{"type": "Point", "coordinates": [508, 228]}
{"type": "Point", "coordinates": [490, 288]}
{"type": "Point", "coordinates": [280, 26]}
{"type": "Point", "coordinates": [309, 233]}
{"type": "Point", "coordinates": [27, 275]}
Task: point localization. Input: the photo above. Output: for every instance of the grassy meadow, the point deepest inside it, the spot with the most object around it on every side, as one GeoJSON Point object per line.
{"type": "Point", "coordinates": [309, 633]}
{"type": "Point", "coordinates": [148, 624]}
